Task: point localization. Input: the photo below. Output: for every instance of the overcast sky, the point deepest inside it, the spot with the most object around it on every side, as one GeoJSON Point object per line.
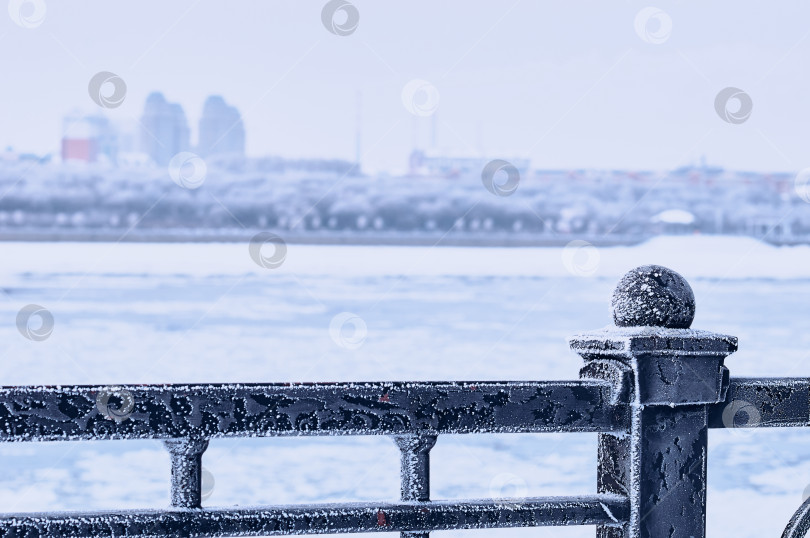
{"type": "Point", "coordinates": [569, 84]}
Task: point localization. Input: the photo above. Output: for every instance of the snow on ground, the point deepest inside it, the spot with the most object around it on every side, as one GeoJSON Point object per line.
{"type": "Point", "coordinates": [139, 313]}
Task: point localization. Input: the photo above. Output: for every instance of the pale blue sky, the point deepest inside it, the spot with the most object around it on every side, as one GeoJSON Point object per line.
{"type": "Point", "coordinates": [571, 84]}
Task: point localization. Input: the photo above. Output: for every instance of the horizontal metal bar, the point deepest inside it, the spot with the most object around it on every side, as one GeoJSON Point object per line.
{"type": "Point", "coordinates": [326, 518]}
{"type": "Point", "coordinates": [763, 402]}
{"type": "Point", "coordinates": [173, 411]}
{"type": "Point", "coordinates": [210, 411]}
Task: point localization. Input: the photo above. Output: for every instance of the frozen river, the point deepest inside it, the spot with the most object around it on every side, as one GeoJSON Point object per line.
{"type": "Point", "coordinates": [141, 313]}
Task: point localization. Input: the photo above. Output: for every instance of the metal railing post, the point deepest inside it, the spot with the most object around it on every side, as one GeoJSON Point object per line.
{"type": "Point", "coordinates": [186, 455]}
{"type": "Point", "coordinates": [415, 471]}
{"type": "Point", "coordinates": [668, 374]}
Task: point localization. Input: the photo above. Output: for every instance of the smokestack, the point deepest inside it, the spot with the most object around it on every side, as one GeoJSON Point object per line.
{"type": "Point", "coordinates": [358, 139]}
{"type": "Point", "coordinates": [433, 123]}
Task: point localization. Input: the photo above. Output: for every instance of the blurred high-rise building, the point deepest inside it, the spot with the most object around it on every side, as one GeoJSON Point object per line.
{"type": "Point", "coordinates": [221, 129]}
{"type": "Point", "coordinates": [164, 129]}
{"type": "Point", "coordinates": [88, 138]}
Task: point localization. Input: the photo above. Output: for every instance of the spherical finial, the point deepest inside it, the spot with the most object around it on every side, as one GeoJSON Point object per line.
{"type": "Point", "coordinates": [652, 295]}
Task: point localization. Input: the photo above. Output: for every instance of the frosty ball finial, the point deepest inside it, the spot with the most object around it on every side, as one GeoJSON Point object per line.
{"type": "Point", "coordinates": [652, 295]}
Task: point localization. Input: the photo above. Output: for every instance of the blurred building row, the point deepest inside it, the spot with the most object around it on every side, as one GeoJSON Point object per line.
{"type": "Point", "coordinates": [432, 163]}
{"type": "Point", "coordinates": [162, 132]}
{"type": "Point", "coordinates": [288, 195]}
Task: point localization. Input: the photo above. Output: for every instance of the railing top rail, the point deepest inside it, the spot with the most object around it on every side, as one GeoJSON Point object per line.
{"type": "Point", "coordinates": [229, 410]}
{"type": "Point", "coordinates": [330, 385]}
{"type": "Point", "coordinates": [81, 412]}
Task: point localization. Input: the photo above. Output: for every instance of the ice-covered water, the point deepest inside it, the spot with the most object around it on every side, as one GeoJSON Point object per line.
{"type": "Point", "coordinates": [136, 313]}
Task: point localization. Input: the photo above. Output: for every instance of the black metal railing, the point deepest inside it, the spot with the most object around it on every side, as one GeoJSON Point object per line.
{"type": "Point", "coordinates": [650, 387]}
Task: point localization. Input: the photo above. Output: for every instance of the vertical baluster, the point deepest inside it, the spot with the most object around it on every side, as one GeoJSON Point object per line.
{"type": "Point", "coordinates": [415, 471]}
{"type": "Point", "coordinates": [186, 455]}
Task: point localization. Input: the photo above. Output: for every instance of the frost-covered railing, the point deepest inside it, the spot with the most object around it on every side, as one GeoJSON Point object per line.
{"type": "Point", "coordinates": [651, 387]}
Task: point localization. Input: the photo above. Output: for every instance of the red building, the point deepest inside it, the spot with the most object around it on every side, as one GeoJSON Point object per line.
{"type": "Point", "coordinates": [78, 149]}
{"type": "Point", "coordinates": [86, 138]}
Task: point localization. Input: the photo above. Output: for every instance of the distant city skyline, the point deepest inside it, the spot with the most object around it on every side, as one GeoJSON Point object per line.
{"type": "Point", "coordinates": [161, 133]}
{"type": "Point", "coordinates": [567, 86]}
{"type": "Point", "coordinates": [221, 129]}
{"type": "Point", "coordinates": [164, 129]}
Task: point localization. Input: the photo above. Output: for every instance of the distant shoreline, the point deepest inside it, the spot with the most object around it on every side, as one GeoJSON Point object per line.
{"type": "Point", "coordinates": [370, 239]}
{"type": "Point", "coordinates": [357, 239]}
